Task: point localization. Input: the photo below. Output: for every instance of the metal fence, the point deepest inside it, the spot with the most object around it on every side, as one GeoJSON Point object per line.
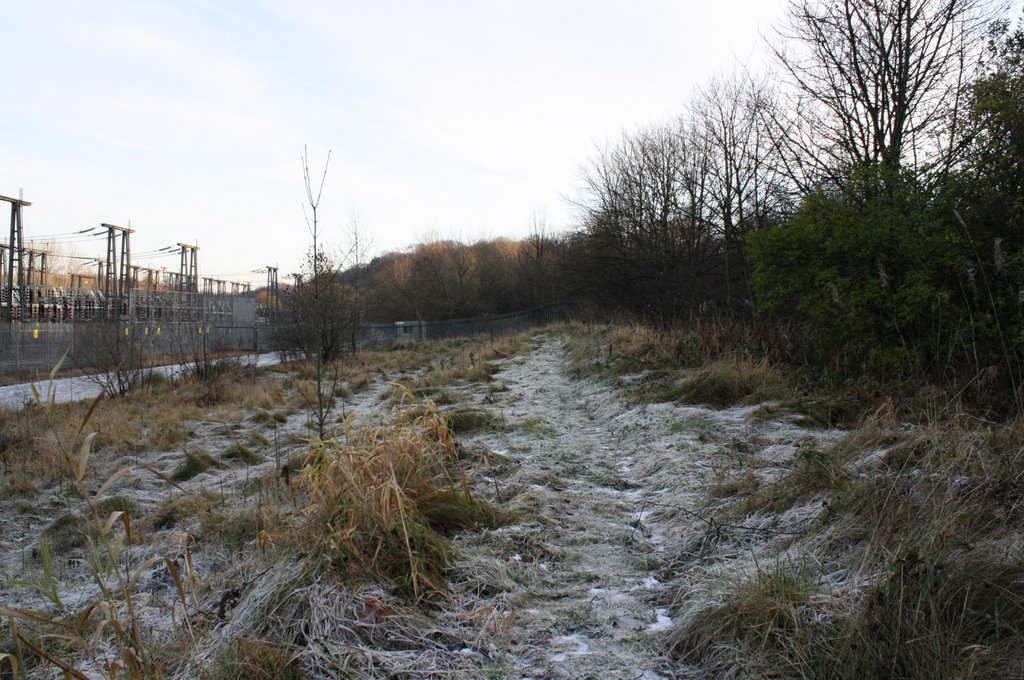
{"type": "Point", "coordinates": [38, 346]}
{"type": "Point", "coordinates": [493, 326]}
{"type": "Point", "coordinates": [33, 347]}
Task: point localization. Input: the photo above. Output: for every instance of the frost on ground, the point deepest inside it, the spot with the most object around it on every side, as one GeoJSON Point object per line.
{"type": "Point", "coordinates": [605, 494]}
{"type": "Point", "coordinates": [605, 526]}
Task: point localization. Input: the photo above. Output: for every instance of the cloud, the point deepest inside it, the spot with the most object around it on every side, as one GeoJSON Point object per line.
{"type": "Point", "coordinates": [462, 117]}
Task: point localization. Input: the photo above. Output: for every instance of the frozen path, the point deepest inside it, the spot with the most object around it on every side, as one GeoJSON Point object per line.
{"type": "Point", "coordinates": [608, 498]}
{"type": "Point", "coordinates": [587, 552]}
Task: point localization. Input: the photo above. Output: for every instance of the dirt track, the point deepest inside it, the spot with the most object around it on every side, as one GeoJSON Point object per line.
{"type": "Point", "coordinates": [603, 487]}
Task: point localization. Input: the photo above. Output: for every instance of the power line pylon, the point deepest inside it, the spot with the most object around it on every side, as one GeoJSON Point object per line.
{"type": "Point", "coordinates": [117, 278]}
{"type": "Point", "coordinates": [188, 281]}
{"type": "Point", "coordinates": [15, 268]}
{"type": "Point", "coordinates": [273, 299]}
{"type": "Point", "coordinates": [35, 273]}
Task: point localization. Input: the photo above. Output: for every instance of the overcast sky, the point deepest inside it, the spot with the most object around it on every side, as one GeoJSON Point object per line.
{"type": "Point", "coordinates": [445, 119]}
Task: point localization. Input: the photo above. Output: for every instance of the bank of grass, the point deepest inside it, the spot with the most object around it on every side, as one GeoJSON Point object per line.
{"type": "Point", "coordinates": [918, 565]}
{"type": "Point", "coordinates": [721, 362]}
{"type": "Point", "coordinates": [723, 383]}
{"type": "Point", "coordinates": [894, 552]}
{"type": "Point", "coordinates": [438, 364]}
{"type": "Point", "coordinates": [373, 509]}
{"type": "Point", "coordinates": [715, 364]}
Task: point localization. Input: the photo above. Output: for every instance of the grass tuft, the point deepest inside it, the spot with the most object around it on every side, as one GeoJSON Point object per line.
{"type": "Point", "coordinates": [255, 659]}
{"type": "Point", "coordinates": [726, 383]}
{"type": "Point", "coordinates": [196, 461]}
{"type": "Point", "coordinates": [380, 495]}
{"type": "Point", "coordinates": [472, 419]}
{"type": "Point", "coordinates": [241, 453]}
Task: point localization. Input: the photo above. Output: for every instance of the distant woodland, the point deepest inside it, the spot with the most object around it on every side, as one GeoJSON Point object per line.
{"type": "Point", "coordinates": [859, 206]}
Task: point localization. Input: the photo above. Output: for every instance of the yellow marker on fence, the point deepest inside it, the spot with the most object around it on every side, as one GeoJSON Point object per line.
{"type": "Point", "coordinates": [200, 330]}
{"type": "Point", "coordinates": [158, 330]}
{"type": "Point", "coordinates": [126, 330]}
{"type": "Point", "coordinates": [35, 333]}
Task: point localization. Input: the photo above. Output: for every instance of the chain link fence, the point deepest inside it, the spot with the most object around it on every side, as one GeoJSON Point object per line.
{"type": "Point", "coordinates": [493, 326]}
{"type": "Point", "coordinates": [32, 347]}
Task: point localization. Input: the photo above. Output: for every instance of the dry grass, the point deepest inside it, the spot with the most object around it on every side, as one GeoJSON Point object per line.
{"type": "Point", "coordinates": [463, 420]}
{"type": "Point", "coordinates": [767, 610]}
{"type": "Point", "coordinates": [727, 383]}
{"type": "Point", "coordinates": [152, 416]}
{"type": "Point", "coordinates": [920, 570]}
{"type": "Point", "coordinates": [373, 508]}
{"type": "Point", "coordinates": [612, 350]}
{"type": "Point", "coordinates": [255, 659]}
{"type": "Point", "coordinates": [194, 462]}
{"type": "Point", "coordinates": [816, 411]}
{"type": "Point", "coordinates": [379, 495]}
{"type": "Point", "coordinates": [707, 362]}
{"type": "Point", "coordinates": [234, 528]}
{"type": "Point", "coordinates": [241, 453]}
{"type": "Point", "coordinates": [181, 509]}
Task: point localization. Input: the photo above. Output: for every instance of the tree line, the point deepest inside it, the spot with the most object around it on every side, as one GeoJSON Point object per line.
{"type": "Point", "coordinates": [867, 190]}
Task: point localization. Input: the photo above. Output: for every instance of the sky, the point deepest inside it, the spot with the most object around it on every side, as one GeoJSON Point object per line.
{"type": "Point", "coordinates": [444, 119]}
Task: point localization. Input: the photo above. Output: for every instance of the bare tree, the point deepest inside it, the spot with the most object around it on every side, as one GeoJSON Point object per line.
{"type": "Point", "coordinates": [646, 222]}
{"type": "Point", "coordinates": [117, 355]}
{"type": "Point", "coordinates": [745, 185]}
{"type": "Point", "coordinates": [535, 262]}
{"type": "Point", "coordinates": [359, 246]}
{"type": "Point", "coordinates": [323, 280]}
{"type": "Point", "coordinates": [874, 82]}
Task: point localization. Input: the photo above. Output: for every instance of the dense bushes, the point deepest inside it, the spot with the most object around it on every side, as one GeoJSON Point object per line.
{"type": "Point", "coordinates": [879, 275]}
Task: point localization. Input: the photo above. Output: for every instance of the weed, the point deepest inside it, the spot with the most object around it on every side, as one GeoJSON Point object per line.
{"type": "Point", "coordinates": [725, 383]}
{"type": "Point", "coordinates": [472, 419]}
{"type": "Point", "coordinates": [241, 453]}
{"type": "Point", "coordinates": [195, 462]}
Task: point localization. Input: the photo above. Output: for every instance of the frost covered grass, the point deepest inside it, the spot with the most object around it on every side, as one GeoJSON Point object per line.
{"type": "Point", "coordinates": [152, 416]}
{"type": "Point", "coordinates": [540, 525]}
{"type": "Point", "coordinates": [918, 570]}
{"type": "Point", "coordinates": [380, 498]}
{"type": "Point", "coordinates": [715, 363]}
{"type": "Point", "coordinates": [891, 551]}
{"type": "Point", "coordinates": [358, 520]}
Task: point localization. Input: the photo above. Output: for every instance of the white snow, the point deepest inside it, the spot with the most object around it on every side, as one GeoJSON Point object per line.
{"type": "Point", "coordinates": [663, 622]}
